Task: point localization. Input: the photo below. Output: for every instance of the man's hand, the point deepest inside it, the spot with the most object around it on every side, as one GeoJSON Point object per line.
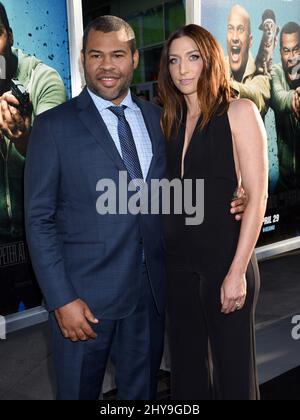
{"type": "Point", "coordinates": [12, 124]}
{"type": "Point", "coordinates": [239, 205]}
{"type": "Point", "coordinates": [73, 321]}
{"type": "Point", "coordinates": [296, 103]}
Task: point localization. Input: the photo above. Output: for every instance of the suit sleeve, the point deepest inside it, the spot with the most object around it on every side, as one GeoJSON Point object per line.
{"type": "Point", "coordinates": [42, 179]}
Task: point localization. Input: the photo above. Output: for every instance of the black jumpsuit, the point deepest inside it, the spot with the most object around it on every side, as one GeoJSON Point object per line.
{"type": "Point", "coordinates": [212, 354]}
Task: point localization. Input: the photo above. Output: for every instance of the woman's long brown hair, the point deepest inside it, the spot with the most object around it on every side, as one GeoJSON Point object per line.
{"type": "Point", "coordinates": [213, 86]}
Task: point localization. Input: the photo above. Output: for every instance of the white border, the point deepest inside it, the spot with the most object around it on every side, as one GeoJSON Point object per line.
{"type": "Point", "coordinates": [193, 12]}
{"type": "Point", "coordinates": [75, 30]}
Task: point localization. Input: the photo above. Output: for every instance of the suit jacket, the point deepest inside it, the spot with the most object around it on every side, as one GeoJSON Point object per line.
{"type": "Point", "coordinates": [76, 252]}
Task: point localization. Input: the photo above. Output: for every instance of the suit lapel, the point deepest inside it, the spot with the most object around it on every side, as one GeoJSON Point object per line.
{"type": "Point", "coordinates": [94, 123]}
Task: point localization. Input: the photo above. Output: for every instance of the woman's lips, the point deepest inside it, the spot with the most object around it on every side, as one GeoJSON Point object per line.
{"type": "Point", "coordinates": [186, 82]}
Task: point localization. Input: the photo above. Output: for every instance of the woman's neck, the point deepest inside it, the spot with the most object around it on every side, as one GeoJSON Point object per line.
{"type": "Point", "coordinates": [193, 106]}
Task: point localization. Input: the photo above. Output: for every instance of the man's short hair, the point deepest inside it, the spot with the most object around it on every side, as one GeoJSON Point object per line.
{"type": "Point", "coordinates": [108, 24]}
{"type": "Point", "coordinates": [4, 19]}
{"type": "Point", "coordinates": [289, 28]}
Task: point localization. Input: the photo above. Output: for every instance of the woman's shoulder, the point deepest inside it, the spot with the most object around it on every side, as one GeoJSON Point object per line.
{"type": "Point", "coordinates": [242, 105]}
{"type": "Point", "coordinates": [242, 113]}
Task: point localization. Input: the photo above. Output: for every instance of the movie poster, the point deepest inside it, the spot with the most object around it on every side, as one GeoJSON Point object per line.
{"type": "Point", "coordinates": [261, 41]}
{"type": "Point", "coordinates": [34, 77]}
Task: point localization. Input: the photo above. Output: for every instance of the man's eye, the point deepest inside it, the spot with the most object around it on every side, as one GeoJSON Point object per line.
{"type": "Point", "coordinates": [96, 56]}
{"type": "Point", "coordinates": [118, 56]}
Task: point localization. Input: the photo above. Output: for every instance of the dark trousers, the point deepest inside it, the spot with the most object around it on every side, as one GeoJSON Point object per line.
{"type": "Point", "coordinates": [134, 343]}
{"type": "Point", "coordinates": [212, 354]}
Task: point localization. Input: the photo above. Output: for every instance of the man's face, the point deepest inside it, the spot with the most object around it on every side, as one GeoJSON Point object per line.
{"type": "Point", "coordinates": [109, 64]}
{"type": "Point", "coordinates": [239, 41]}
{"type": "Point", "coordinates": [6, 41]}
{"type": "Point", "coordinates": [290, 57]}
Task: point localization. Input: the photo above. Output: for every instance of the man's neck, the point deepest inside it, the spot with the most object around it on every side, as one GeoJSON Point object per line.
{"type": "Point", "coordinates": [239, 76]}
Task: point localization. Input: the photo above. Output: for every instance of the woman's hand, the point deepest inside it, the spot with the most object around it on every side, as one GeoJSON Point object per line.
{"type": "Point", "coordinates": [233, 293]}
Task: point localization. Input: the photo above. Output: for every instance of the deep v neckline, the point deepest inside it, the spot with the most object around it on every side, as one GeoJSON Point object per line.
{"type": "Point", "coordinates": [183, 157]}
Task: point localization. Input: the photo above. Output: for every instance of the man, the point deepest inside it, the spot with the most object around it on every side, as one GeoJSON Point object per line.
{"type": "Point", "coordinates": [241, 62]}
{"type": "Point", "coordinates": [102, 276]}
{"type": "Point", "coordinates": [46, 90]}
{"type": "Point", "coordinates": [285, 103]}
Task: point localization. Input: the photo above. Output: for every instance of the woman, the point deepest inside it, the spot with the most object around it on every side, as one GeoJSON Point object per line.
{"type": "Point", "coordinates": [212, 282]}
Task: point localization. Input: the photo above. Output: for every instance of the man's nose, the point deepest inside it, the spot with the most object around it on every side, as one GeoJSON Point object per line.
{"type": "Point", "coordinates": [107, 63]}
{"type": "Point", "coordinates": [291, 56]}
{"type": "Point", "coordinates": [235, 37]}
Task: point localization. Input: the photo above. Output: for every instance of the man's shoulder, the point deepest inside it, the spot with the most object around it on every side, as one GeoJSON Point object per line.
{"type": "Point", "coordinates": [60, 113]}
{"type": "Point", "coordinates": [148, 107]}
{"type": "Point", "coordinates": [277, 69]}
{"type": "Point", "coordinates": [34, 74]}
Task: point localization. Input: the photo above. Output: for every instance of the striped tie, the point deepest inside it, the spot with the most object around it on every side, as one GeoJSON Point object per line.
{"type": "Point", "coordinates": [128, 148]}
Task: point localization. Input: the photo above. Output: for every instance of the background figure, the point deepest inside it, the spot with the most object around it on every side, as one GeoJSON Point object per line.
{"type": "Point", "coordinates": [285, 102]}
{"type": "Point", "coordinates": [46, 90]}
{"type": "Point", "coordinates": [243, 70]}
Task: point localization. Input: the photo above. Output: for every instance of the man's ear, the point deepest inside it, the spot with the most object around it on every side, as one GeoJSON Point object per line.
{"type": "Point", "coordinates": [82, 57]}
{"type": "Point", "coordinates": [136, 59]}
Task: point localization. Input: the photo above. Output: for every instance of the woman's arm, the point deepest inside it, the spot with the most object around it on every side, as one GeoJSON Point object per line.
{"type": "Point", "coordinates": [250, 141]}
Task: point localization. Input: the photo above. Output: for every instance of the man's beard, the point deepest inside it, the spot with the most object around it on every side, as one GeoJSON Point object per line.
{"type": "Point", "coordinates": [114, 94]}
{"type": "Point", "coordinates": [295, 84]}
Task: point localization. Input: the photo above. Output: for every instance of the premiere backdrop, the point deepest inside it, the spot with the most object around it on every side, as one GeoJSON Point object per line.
{"type": "Point", "coordinates": [267, 18]}
{"type": "Point", "coordinates": [41, 50]}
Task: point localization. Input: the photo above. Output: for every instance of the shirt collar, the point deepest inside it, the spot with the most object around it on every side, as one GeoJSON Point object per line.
{"type": "Point", "coordinates": [103, 104]}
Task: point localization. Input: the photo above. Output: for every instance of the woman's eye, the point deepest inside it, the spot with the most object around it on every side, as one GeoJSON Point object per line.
{"type": "Point", "coordinates": [194, 57]}
{"type": "Point", "coordinates": [173, 61]}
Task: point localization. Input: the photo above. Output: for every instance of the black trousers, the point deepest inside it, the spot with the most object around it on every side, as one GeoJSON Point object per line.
{"type": "Point", "coordinates": [212, 354]}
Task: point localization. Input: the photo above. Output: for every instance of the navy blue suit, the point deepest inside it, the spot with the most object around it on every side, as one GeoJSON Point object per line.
{"type": "Point", "coordinates": [77, 253]}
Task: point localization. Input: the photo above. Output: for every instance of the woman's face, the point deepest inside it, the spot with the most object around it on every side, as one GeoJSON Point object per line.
{"type": "Point", "coordinates": [185, 65]}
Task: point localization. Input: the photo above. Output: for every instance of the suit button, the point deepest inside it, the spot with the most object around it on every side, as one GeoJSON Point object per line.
{"type": "Point", "coordinates": [141, 242]}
